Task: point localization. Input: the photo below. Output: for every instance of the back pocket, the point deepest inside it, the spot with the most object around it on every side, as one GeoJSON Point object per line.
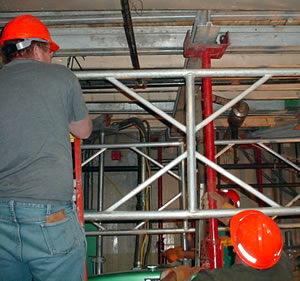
{"type": "Point", "coordinates": [61, 237]}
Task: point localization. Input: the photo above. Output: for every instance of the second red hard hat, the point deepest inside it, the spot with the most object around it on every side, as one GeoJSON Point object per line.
{"type": "Point", "coordinates": [233, 196]}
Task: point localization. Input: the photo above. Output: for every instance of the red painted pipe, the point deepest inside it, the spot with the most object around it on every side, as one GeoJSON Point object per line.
{"type": "Point", "coordinates": [78, 179]}
{"type": "Point", "coordinates": [79, 191]}
{"type": "Point", "coordinates": [215, 253]}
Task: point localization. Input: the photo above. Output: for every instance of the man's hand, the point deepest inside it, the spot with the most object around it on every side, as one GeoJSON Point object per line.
{"type": "Point", "coordinates": [180, 273]}
{"type": "Point", "coordinates": [222, 201]}
{"type": "Point", "coordinates": [173, 254]}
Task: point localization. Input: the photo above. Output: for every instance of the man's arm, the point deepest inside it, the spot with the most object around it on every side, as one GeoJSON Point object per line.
{"type": "Point", "coordinates": [222, 203]}
{"type": "Point", "coordinates": [81, 129]}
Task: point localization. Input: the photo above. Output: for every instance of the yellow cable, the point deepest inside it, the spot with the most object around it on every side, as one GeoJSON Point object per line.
{"type": "Point", "coordinates": [147, 204]}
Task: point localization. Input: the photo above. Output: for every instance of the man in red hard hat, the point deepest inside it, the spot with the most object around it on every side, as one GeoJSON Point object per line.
{"type": "Point", "coordinates": [232, 196]}
{"type": "Point", "coordinates": [259, 252]}
{"type": "Point", "coordinates": [227, 198]}
{"type": "Point", "coordinates": [40, 105]}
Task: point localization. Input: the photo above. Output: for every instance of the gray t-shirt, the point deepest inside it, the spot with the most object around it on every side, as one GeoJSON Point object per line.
{"type": "Point", "coordinates": [37, 103]}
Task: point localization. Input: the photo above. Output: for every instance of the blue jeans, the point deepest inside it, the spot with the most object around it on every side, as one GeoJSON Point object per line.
{"type": "Point", "coordinates": [33, 247]}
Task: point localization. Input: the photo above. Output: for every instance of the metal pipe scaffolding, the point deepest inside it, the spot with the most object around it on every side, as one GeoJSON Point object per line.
{"type": "Point", "coordinates": [172, 215]}
{"type": "Point", "coordinates": [189, 74]}
{"type": "Point", "coordinates": [190, 154]}
{"type": "Point", "coordinates": [221, 72]}
{"type": "Point", "coordinates": [125, 232]}
{"type": "Point", "coordinates": [143, 185]}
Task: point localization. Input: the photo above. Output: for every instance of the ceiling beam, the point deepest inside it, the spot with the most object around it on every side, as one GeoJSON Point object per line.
{"type": "Point", "coordinates": [159, 17]}
{"type": "Point", "coordinates": [140, 5]}
{"type": "Point", "coordinates": [168, 40]}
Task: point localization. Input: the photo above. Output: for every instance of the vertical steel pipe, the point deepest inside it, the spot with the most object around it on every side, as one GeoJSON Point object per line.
{"type": "Point", "coordinates": [160, 243]}
{"type": "Point", "coordinates": [191, 143]}
{"type": "Point", "coordinates": [183, 200]}
{"type": "Point", "coordinates": [99, 250]}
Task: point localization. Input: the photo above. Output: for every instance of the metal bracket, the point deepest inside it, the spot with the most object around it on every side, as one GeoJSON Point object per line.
{"type": "Point", "coordinates": [195, 50]}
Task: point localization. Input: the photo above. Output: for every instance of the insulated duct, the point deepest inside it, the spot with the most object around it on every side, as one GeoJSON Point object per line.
{"type": "Point", "coordinates": [236, 116]}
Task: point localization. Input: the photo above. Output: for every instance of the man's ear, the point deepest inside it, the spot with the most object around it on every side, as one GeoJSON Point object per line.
{"type": "Point", "coordinates": [37, 53]}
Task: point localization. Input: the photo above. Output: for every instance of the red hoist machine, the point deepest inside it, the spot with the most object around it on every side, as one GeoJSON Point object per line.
{"type": "Point", "coordinates": [206, 52]}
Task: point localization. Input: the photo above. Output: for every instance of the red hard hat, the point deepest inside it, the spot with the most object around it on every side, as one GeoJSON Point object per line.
{"type": "Point", "coordinates": [233, 195]}
{"type": "Point", "coordinates": [26, 27]}
{"type": "Point", "coordinates": [256, 239]}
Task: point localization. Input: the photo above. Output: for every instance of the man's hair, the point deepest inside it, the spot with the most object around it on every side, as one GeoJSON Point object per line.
{"type": "Point", "coordinates": [10, 51]}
